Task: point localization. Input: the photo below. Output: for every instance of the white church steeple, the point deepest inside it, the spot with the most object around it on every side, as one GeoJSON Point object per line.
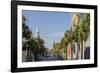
{"type": "Point", "coordinates": [37, 32]}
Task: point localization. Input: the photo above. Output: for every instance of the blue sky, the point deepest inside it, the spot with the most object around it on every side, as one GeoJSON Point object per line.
{"type": "Point", "coordinates": [52, 25]}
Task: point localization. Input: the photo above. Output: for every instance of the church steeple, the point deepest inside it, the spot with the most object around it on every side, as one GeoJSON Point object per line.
{"type": "Point", "coordinates": [37, 32]}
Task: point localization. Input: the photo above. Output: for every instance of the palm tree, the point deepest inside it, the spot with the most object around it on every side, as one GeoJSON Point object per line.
{"type": "Point", "coordinates": [80, 36]}
{"type": "Point", "coordinates": [67, 40]}
{"type": "Point", "coordinates": [75, 39]}
{"type": "Point", "coordinates": [87, 26]}
{"type": "Point", "coordinates": [64, 43]}
{"type": "Point", "coordinates": [84, 32]}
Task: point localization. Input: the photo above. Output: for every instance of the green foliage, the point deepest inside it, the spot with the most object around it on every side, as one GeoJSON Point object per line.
{"type": "Point", "coordinates": [32, 43]}
{"type": "Point", "coordinates": [81, 32]}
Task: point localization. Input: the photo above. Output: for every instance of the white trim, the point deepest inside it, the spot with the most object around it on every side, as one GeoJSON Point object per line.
{"type": "Point", "coordinates": [52, 63]}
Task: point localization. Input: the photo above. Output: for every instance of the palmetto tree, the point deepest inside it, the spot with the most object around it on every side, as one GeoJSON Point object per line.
{"type": "Point", "coordinates": [75, 39]}
{"type": "Point", "coordinates": [80, 36]}
{"type": "Point", "coordinates": [64, 43]}
{"type": "Point", "coordinates": [68, 39]}
{"type": "Point", "coordinates": [84, 32]}
{"type": "Point", "coordinates": [87, 26]}
{"type": "Point", "coordinates": [61, 47]}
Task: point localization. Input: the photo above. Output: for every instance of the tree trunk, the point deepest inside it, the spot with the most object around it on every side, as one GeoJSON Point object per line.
{"type": "Point", "coordinates": [79, 50]}
{"type": "Point", "coordinates": [35, 55]}
{"type": "Point", "coordinates": [66, 53]}
{"type": "Point", "coordinates": [26, 54]}
{"type": "Point", "coordinates": [82, 50]}
{"type": "Point", "coordinates": [76, 50]}
{"type": "Point", "coordinates": [72, 51]}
